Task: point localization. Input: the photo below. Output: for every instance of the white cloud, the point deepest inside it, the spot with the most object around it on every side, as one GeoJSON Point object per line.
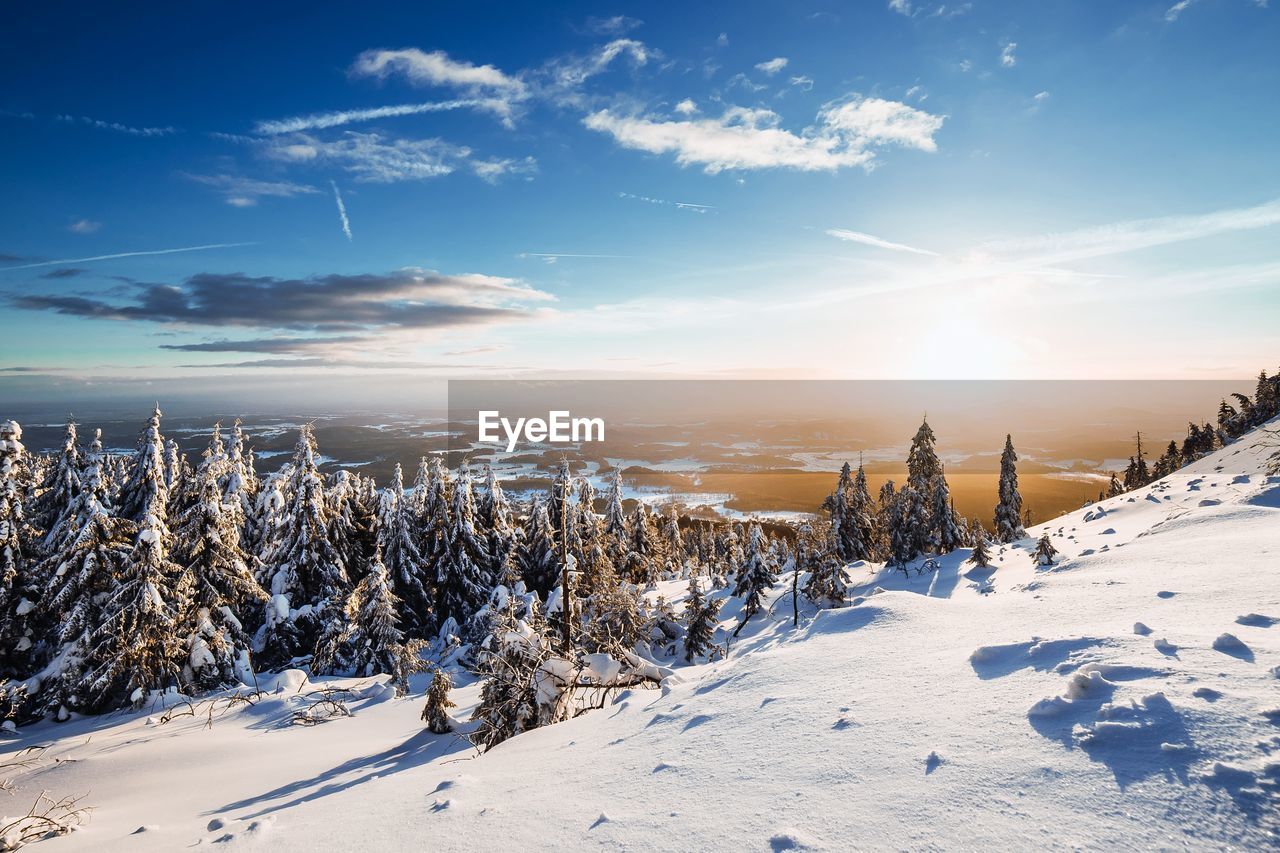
{"type": "Point", "coordinates": [902, 7]}
{"type": "Point", "coordinates": [321, 121]}
{"type": "Point", "coordinates": [342, 211]}
{"type": "Point", "coordinates": [1008, 58]}
{"type": "Point", "coordinates": [117, 126]}
{"type": "Point", "coordinates": [616, 26]}
{"type": "Point", "coordinates": [678, 205]}
{"type": "Point", "coordinates": [802, 81]}
{"type": "Point", "coordinates": [722, 40]}
{"type": "Point", "coordinates": [568, 73]}
{"type": "Point", "coordinates": [436, 68]}
{"type": "Point", "coordinates": [1177, 9]}
{"type": "Point", "coordinates": [84, 226]}
{"type": "Point", "coordinates": [686, 107]}
{"type": "Point", "coordinates": [844, 135]}
{"type": "Point", "coordinates": [1135, 234]}
{"type": "Point", "coordinates": [868, 240]}
{"type": "Point", "coordinates": [373, 158]}
{"type": "Point", "coordinates": [772, 66]}
{"type": "Point", "coordinates": [245, 192]}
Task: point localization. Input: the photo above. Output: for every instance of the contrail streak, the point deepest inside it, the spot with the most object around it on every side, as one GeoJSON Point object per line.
{"type": "Point", "coordinates": [126, 255]}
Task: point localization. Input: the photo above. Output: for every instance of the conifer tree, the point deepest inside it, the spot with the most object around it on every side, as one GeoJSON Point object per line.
{"type": "Point", "coordinates": [240, 488]}
{"type": "Point", "coordinates": [1008, 521]}
{"type": "Point", "coordinates": [859, 520]}
{"type": "Point", "coordinates": [436, 712]}
{"type": "Point", "coordinates": [827, 584]}
{"type": "Point", "coordinates": [61, 484]}
{"type": "Point", "coordinates": [462, 582]}
{"type": "Point", "coordinates": [537, 557]}
{"type": "Point", "coordinates": [1113, 487]}
{"type": "Point", "coordinates": [494, 518]}
{"type": "Point", "coordinates": [888, 512]}
{"type": "Point", "coordinates": [642, 554]}
{"type": "Point", "coordinates": [1045, 552]}
{"type": "Point", "coordinates": [757, 575]}
{"type": "Point", "coordinates": [373, 630]}
{"type": "Point", "coordinates": [17, 554]}
{"type": "Point", "coordinates": [404, 562]}
{"type": "Point", "coordinates": [512, 658]}
{"type": "Point", "coordinates": [947, 532]}
{"type": "Point", "coordinates": [134, 648]}
{"type": "Point", "coordinates": [922, 460]}
{"type": "Point", "coordinates": [306, 577]}
{"type": "Point", "coordinates": [615, 521]}
{"type": "Point", "coordinates": [219, 586]}
{"type": "Point", "coordinates": [1266, 399]}
{"type": "Point", "coordinates": [981, 556]}
{"type": "Point", "coordinates": [700, 621]}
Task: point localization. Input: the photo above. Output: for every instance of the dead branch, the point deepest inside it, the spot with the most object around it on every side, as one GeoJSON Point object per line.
{"type": "Point", "coordinates": [47, 818]}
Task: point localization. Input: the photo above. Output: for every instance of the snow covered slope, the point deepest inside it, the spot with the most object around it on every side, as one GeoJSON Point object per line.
{"type": "Point", "coordinates": [1128, 696]}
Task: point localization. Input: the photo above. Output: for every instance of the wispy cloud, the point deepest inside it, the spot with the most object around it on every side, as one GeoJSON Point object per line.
{"type": "Point", "coordinates": [902, 7]}
{"type": "Point", "coordinates": [772, 66]}
{"type": "Point", "coordinates": [846, 133]}
{"type": "Point", "coordinates": [1171, 14]}
{"type": "Point", "coordinates": [1008, 55]}
{"type": "Point", "coordinates": [244, 192]}
{"type": "Point", "coordinates": [617, 25]}
{"type": "Point", "coordinates": [342, 211]}
{"type": "Point", "coordinates": [322, 121]}
{"type": "Point", "coordinates": [276, 346]}
{"type": "Point", "coordinates": [374, 158]}
{"type": "Point", "coordinates": [84, 226]}
{"type": "Point", "coordinates": [404, 299]}
{"type": "Point", "coordinates": [1135, 234]}
{"type": "Point", "coordinates": [126, 255]}
{"type": "Point", "coordinates": [117, 126]}
{"type": "Point", "coordinates": [436, 68]}
{"type": "Point", "coordinates": [869, 240]}
{"type": "Point", "coordinates": [63, 273]}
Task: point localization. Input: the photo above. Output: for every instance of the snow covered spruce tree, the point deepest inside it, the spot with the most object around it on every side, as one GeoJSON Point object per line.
{"type": "Point", "coordinates": [461, 558]}
{"type": "Point", "coordinates": [496, 520]}
{"type": "Point", "coordinates": [78, 574]}
{"type": "Point", "coordinates": [700, 615]}
{"type": "Point", "coordinates": [510, 700]}
{"type": "Point", "coordinates": [306, 577]}
{"type": "Point", "coordinates": [1045, 552]}
{"type": "Point", "coordinates": [17, 555]}
{"type": "Point", "coordinates": [219, 586]}
{"type": "Point", "coordinates": [372, 637]}
{"type": "Point", "coordinates": [947, 528]}
{"type": "Point", "coordinates": [537, 557]}
{"type": "Point", "coordinates": [240, 487]}
{"type": "Point", "coordinates": [436, 712]}
{"type": "Point", "coordinates": [827, 584]}
{"type": "Point", "coordinates": [1008, 522]}
{"type": "Point", "coordinates": [134, 648]}
{"type": "Point", "coordinates": [616, 534]}
{"type": "Point", "coordinates": [756, 577]}
{"type": "Point", "coordinates": [641, 557]}
{"type": "Point", "coordinates": [405, 563]}
{"type": "Point", "coordinates": [61, 483]}
{"type": "Point", "coordinates": [981, 556]}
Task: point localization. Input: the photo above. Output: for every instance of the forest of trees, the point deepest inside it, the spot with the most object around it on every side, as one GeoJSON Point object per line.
{"type": "Point", "coordinates": [123, 577]}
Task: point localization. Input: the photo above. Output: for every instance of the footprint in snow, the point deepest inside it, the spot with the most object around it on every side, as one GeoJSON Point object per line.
{"type": "Point", "coordinates": [1141, 629]}
{"type": "Point", "coordinates": [933, 762]}
{"type": "Point", "coordinates": [1256, 620]}
{"type": "Point", "coordinates": [1207, 693]}
{"type": "Point", "coordinates": [602, 819]}
{"type": "Point", "coordinates": [1165, 647]}
{"type": "Point", "coordinates": [1164, 593]}
{"type": "Point", "coordinates": [845, 723]}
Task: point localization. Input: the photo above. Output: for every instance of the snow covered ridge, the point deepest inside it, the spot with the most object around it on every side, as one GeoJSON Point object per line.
{"type": "Point", "coordinates": [1121, 694]}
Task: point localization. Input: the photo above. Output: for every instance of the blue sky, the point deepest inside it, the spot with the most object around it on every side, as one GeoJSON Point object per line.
{"type": "Point", "coordinates": [880, 189]}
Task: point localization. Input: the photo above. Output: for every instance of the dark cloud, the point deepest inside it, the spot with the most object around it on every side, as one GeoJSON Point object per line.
{"type": "Point", "coordinates": [265, 345]}
{"type": "Point", "coordinates": [405, 299]}
{"type": "Point", "coordinates": [64, 272]}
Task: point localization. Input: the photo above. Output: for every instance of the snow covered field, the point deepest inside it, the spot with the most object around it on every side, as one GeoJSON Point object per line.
{"type": "Point", "coordinates": [1127, 697]}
